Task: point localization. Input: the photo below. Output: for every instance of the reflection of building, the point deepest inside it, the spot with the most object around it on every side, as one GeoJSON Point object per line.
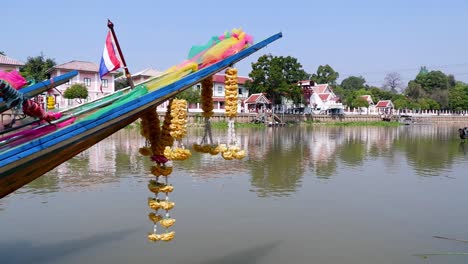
{"type": "Point", "coordinates": [105, 162]}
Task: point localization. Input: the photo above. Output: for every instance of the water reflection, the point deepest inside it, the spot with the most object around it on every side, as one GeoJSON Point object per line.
{"type": "Point", "coordinates": [277, 158]}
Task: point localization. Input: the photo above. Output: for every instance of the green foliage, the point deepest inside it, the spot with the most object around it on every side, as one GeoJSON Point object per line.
{"type": "Point", "coordinates": [401, 103]}
{"type": "Point", "coordinates": [325, 74]}
{"type": "Point", "coordinates": [441, 97]}
{"type": "Point", "coordinates": [432, 81]}
{"type": "Point", "coordinates": [379, 94]}
{"type": "Point", "coordinates": [277, 77]}
{"type": "Point", "coordinates": [36, 67]}
{"type": "Point", "coordinates": [2, 53]}
{"type": "Point", "coordinates": [121, 84]}
{"type": "Point", "coordinates": [458, 97]}
{"type": "Point", "coordinates": [360, 102]}
{"type": "Point", "coordinates": [191, 95]}
{"type": "Point", "coordinates": [415, 90]}
{"type": "Point", "coordinates": [353, 83]}
{"type": "Point", "coordinates": [76, 91]}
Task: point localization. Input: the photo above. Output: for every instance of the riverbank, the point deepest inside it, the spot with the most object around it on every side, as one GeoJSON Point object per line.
{"type": "Point", "coordinates": [196, 118]}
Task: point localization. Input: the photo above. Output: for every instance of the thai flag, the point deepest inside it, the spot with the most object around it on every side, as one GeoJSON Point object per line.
{"type": "Point", "coordinates": [110, 60]}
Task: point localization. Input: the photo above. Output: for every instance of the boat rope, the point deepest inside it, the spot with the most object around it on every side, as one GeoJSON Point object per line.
{"type": "Point", "coordinates": [11, 96]}
{"type": "Point", "coordinates": [14, 98]}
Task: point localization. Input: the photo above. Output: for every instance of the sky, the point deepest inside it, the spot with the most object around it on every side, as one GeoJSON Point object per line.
{"type": "Point", "coordinates": [368, 38]}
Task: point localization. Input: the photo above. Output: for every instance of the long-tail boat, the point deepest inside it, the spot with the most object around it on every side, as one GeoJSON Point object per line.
{"type": "Point", "coordinates": [24, 157]}
{"type": "Point", "coordinates": [41, 87]}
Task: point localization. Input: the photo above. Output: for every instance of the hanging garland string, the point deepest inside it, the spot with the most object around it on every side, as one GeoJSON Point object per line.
{"type": "Point", "coordinates": [156, 140]}
{"type": "Point", "coordinates": [207, 144]}
{"type": "Point", "coordinates": [178, 130]}
{"type": "Point", "coordinates": [231, 150]}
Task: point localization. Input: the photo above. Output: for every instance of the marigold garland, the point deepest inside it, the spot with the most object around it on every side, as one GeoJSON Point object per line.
{"type": "Point", "coordinates": [231, 150]}
{"type": "Point", "coordinates": [206, 145]}
{"type": "Point", "coordinates": [178, 130]}
{"type": "Point", "coordinates": [157, 139]}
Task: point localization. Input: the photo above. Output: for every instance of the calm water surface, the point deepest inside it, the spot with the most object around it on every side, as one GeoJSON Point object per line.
{"type": "Point", "coordinates": [303, 195]}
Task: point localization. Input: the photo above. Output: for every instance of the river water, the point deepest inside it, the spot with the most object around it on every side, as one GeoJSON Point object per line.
{"type": "Point", "coordinates": [302, 195]}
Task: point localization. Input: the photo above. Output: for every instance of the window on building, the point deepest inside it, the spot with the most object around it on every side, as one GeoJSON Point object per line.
{"type": "Point", "coordinates": [87, 81]}
{"type": "Point", "coordinates": [219, 89]}
{"type": "Point", "coordinates": [105, 83]}
{"type": "Point", "coordinates": [239, 91]}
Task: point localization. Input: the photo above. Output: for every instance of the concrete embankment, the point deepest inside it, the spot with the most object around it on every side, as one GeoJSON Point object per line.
{"type": "Point", "coordinates": [462, 120]}
{"type": "Point", "coordinates": [297, 118]}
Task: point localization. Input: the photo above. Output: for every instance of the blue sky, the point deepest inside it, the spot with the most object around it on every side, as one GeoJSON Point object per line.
{"type": "Point", "coordinates": [363, 37]}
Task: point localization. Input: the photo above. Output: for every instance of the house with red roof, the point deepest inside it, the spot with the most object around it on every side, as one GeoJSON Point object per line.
{"type": "Point", "coordinates": [9, 64]}
{"type": "Point", "coordinates": [257, 102]}
{"type": "Point", "coordinates": [88, 75]}
{"type": "Point", "coordinates": [320, 97]}
{"type": "Point", "coordinates": [384, 106]}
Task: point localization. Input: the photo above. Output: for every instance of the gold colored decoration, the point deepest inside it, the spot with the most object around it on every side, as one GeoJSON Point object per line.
{"type": "Point", "coordinates": [207, 145]}
{"type": "Point", "coordinates": [161, 237]}
{"type": "Point", "coordinates": [231, 92]}
{"type": "Point", "coordinates": [154, 217]}
{"type": "Point", "coordinates": [231, 150]}
{"type": "Point", "coordinates": [178, 130]}
{"type": "Point", "coordinates": [157, 187]}
{"type": "Point", "coordinates": [168, 222]}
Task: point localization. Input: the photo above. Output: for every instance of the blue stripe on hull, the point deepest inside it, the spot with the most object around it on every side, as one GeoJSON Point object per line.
{"type": "Point", "coordinates": [11, 159]}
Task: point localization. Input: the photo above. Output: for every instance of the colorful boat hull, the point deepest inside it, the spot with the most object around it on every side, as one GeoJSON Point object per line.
{"type": "Point", "coordinates": [41, 87]}
{"type": "Point", "coordinates": [24, 163]}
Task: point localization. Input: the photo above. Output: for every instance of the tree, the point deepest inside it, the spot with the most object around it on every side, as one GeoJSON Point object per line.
{"type": "Point", "coordinates": [441, 97]}
{"type": "Point", "coordinates": [359, 102]}
{"type": "Point", "coordinates": [379, 94]}
{"type": "Point", "coordinates": [36, 67]}
{"type": "Point", "coordinates": [121, 84]}
{"type": "Point", "coordinates": [432, 81]}
{"type": "Point", "coordinates": [392, 82]}
{"type": "Point", "coordinates": [401, 103]}
{"type": "Point", "coordinates": [414, 90]}
{"type": "Point", "coordinates": [76, 91]}
{"type": "Point", "coordinates": [353, 83]}
{"type": "Point", "coordinates": [458, 97]}
{"type": "Point", "coordinates": [2, 53]}
{"type": "Point", "coordinates": [191, 95]}
{"type": "Point", "coordinates": [325, 74]}
{"type": "Point", "coordinates": [276, 76]}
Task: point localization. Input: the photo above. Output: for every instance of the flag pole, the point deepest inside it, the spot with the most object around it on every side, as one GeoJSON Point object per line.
{"type": "Point", "coordinates": [110, 25]}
